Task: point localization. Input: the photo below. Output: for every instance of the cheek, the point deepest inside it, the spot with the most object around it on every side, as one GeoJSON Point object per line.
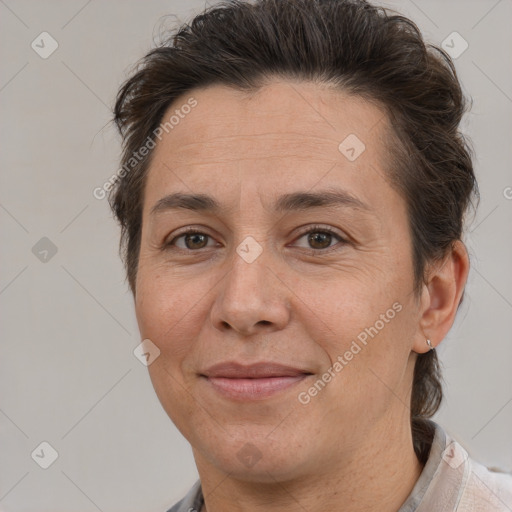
{"type": "Point", "coordinates": [165, 314]}
{"type": "Point", "coordinates": [370, 338]}
{"type": "Point", "coordinates": [167, 317]}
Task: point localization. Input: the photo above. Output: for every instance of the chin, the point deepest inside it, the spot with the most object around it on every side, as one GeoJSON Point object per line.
{"type": "Point", "coordinates": [256, 458]}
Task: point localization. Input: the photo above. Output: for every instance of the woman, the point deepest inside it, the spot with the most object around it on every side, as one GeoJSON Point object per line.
{"type": "Point", "coordinates": [292, 196]}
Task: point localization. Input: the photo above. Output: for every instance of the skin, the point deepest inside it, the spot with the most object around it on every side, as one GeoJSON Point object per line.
{"type": "Point", "coordinates": [300, 303]}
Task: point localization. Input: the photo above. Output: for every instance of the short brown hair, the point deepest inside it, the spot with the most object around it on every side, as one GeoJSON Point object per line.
{"type": "Point", "coordinates": [359, 48]}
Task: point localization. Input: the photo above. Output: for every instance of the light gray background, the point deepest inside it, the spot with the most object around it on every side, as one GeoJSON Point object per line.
{"type": "Point", "coordinates": [68, 375]}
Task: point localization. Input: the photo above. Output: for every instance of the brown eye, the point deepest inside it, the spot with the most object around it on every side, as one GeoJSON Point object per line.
{"type": "Point", "coordinates": [191, 240]}
{"type": "Point", "coordinates": [319, 239]}
{"type": "Point", "coordinates": [195, 240]}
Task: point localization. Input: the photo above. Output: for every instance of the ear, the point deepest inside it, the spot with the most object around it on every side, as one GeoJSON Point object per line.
{"type": "Point", "coordinates": [440, 297]}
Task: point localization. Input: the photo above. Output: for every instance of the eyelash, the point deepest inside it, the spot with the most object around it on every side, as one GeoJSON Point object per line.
{"type": "Point", "coordinates": [313, 229]}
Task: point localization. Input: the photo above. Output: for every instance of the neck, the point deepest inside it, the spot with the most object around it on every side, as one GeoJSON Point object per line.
{"type": "Point", "coordinates": [377, 475]}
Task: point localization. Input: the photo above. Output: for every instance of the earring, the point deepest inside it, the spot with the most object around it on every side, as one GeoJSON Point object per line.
{"type": "Point", "coordinates": [429, 343]}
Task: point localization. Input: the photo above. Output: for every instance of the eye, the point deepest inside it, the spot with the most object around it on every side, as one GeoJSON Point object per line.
{"type": "Point", "coordinates": [192, 239]}
{"type": "Point", "coordinates": [320, 238]}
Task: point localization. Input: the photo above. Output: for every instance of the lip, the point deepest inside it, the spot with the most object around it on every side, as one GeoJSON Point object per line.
{"type": "Point", "coordinates": [252, 382]}
{"type": "Point", "coordinates": [261, 370]}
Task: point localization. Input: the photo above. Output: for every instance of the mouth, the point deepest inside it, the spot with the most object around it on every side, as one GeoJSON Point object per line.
{"type": "Point", "coordinates": [253, 382]}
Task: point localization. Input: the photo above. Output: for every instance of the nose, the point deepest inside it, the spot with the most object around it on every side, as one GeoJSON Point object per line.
{"type": "Point", "coordinates": [251, 298]}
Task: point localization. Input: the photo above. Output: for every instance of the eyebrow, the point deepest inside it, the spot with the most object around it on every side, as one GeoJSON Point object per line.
{"type": "Point", "coordinates": [296, 201]}
{"type": "Point", "coordinates": [300, 201]}
{"type": "Point", "coordinates": [196, 202]}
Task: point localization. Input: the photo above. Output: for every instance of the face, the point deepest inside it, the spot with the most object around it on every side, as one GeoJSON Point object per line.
{"type": "Point", "coordinates": [292, 271]}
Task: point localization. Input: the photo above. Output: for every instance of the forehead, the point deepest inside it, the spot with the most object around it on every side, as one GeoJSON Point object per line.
{"type": "Point", "coordinates": [282, 135]}
{"type": "Point", "coordinates": [300, 112]}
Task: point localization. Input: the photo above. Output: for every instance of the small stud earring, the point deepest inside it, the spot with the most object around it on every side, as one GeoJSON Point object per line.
{"type": "Point", "coordinates": [429, 343]}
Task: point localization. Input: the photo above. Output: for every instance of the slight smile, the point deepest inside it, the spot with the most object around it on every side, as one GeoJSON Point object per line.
{"type": "Point", "coordinates": [252, 382]}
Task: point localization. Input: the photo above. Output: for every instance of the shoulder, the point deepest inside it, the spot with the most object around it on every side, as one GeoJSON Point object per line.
{"type": "Point", "coordinates": [452, 481]}
{"type": "Point", "coordinates": [480, 489]}
{"type": "Point", "coordinates": [192, 502]}
{"type": "Point", "coordinates": [487, 490]}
